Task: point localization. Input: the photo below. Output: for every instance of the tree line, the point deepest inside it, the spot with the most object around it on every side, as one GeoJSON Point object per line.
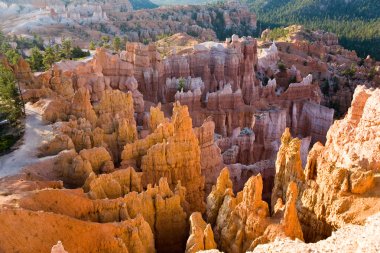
{"type": "Point", "coordinates": [357, 23]}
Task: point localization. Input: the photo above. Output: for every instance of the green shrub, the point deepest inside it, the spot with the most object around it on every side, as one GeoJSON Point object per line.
{"type": "Point", "coordinates": [281, 66]}
{"type": "Point", "coordinates": [181, 84]}
{"type": "Point", "coordinates": [6, 142]}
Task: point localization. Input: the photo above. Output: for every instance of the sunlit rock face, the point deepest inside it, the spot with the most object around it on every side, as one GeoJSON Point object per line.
{"type": "Point", "coordinates": [333, 189]}
{"type": "Point", "coordinates": [201, 235]}
{"type": "Point", "coordinates": [241, 223]}
{"type": "Point", "coordinates": [349, 238]}
{"type": "Point", "coordinates": [178, 159]}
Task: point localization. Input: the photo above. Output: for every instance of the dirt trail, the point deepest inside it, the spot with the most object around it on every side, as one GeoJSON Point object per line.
{"type": "Point", "coordinates": [35, 133]}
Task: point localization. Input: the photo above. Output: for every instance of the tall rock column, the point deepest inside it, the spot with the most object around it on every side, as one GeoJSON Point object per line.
{"type": "Point", "coordinates": [288, 166]}
{"type": "Point", "coordinates": [201, 235]}
{"type": "Point", "coordinates": [178, 159]}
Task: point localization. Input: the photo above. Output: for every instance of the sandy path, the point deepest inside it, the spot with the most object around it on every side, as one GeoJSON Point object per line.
{"type": "Point", "coordinates": [35, 133]}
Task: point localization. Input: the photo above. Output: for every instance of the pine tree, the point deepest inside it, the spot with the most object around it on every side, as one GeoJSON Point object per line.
{"type": "Point", "coordinates": [12, 56]}
{"type": "Point", "coordinates": [92, 45]}
{"type": "Point", "coordinates": [10, 100]}
{"type": "Point", "coordinates": [105, 41]}
{"type": "Point", "coordinates": [49, 57]}
{"type": "Point", "coordinates": [116, 44]}
{"type": "Point", "coordinates": [36, 60]}
{"type": "Point", "coordinates": [66, 48]}
{"type": "Point", "coordinates": [57, 53]}
{"type": "Point", "coordinates": [181, 84]}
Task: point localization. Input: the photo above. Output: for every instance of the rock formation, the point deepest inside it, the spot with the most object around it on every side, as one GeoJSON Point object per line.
{"type": "Point", "coordinates": [219, 81]}
{"type": "Point", "coordinates": [116, 117]}
{"type": "Point", "coordinates": [288, 166]}
{"type": "Point", "coordinates": [81, 106]}
{"type": "Point", "coordinates": [80, 132]}
{"type": "Point", "coordinates": [268, 58]}
{"type": "Point", "coordinates": [211, 159]}
{"type": "Point", "coordinates": [331, 192]}
{"type": "Point", "coordinates": [156, 117]}
{"type": "Point", "coordinates": [110, 124]}
{"type": "Point", "coordinates": [240, 174]}
{"type": "Point", "coordinates": [359, 147]}
{"type": "Point", "coordinates": [58, 248]}
{"type": "Point", "coordinates": [216, 197]}
{"type": "Point", "coordinates": [160, 207]}
{"type": "Point", "coordinates": [350, 238]}
{"type": "Point", "coordinates": [183, 163]}
{"type": "Point", "coordinates": [133, 235]}
{"type": "Point", "coordinates": [89, 19]}
{"type": "Point", "coordinates": [241, 223]}
{"type": "Point", "coordinates": [59, 143]}
{"type": "Point", "coordinates": [201, 235]}
{"type": "Point", "coordinates": [318, 53]}
{"type": "Point", "coordinates": [132, 153]}
{"type": "Point", "coordinates": [113, 185]}
{"type": "Point", "coordinates": [74, 168]}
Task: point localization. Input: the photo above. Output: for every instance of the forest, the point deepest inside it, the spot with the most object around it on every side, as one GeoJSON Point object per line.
{"type": "Point", "coordinates": [142, 4]}
{"type": "Point", "coordinates": [356, 22]}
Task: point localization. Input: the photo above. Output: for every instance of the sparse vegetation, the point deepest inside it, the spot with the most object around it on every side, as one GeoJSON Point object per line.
{"type": "Point", "coordinates": [49, 57]}
{"type": "Point", "coordinates": [276, 34]}
{"type": "Point", "coordinates": [78, 53]}
{"type": "Point", "coordinates": [104, 41]}
{"type": "Point", "coordinates": [372, 73]}
{"type": "Point", "coordinates": [281, 66]}
{"type": "Point", "coordinates": [7, 141]}
{"type": "Point", "coordinates": [66, 48]}
{"type": "Point", "coordinates": [92, 45]}
{"type": "Point", "coordinates": [350, 72]}
{"type": "Point", "coordinates": [36, 60]}
{"type": "Point", "coordinates": [163, 36]}
{"type": "Point", "coordinates": [11, 106]}
{"type": "Point", "coordinates": [181, 84]}
{"type": "Point", "coordinates": [146, 41]}
{"type": "Point", "coordinates": [116, 44]}
{"type": "Point", "coordinates": [192, 33]}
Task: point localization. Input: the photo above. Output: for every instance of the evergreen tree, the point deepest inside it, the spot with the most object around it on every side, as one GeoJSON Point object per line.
{"type": "Point", "coordinates": [12, 56]}
{"type": "Point", "coordinates": [77, 52]}
{"type": "Point", "coordinates": [92, 45]}
{"type": "Point", "coordinates": [116, 44]}
{"type": "Point", "coordinates": [181, 84]}
{"type": "Point", "coordinates": [36, 60]}
{"type": "Point", "coordinates": [66, 48]}
{"type": "Point", "coordinates": [105, 40]}
{"type": "Point", "coordinates": [49, 57]}
{"type": "Point", "coordinates": [10, 100]}
{"type": "Point", "coordinates": [57, 53]}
